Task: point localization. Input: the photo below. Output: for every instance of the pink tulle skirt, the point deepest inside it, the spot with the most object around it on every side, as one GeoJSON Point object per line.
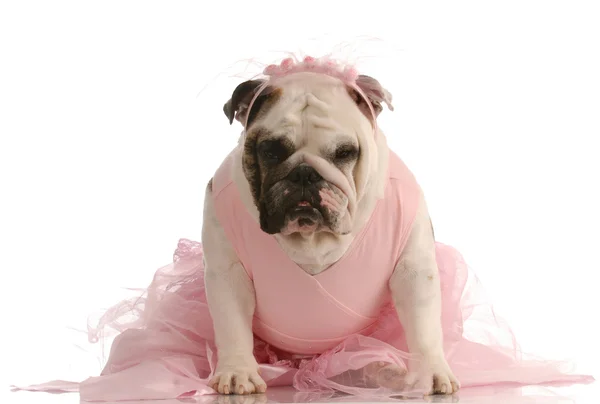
{"type": "Point", "coordinates": [165, 348]}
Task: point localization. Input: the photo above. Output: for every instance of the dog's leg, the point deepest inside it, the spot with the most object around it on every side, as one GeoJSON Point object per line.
{"type": "Point", "coordinates": [231, 301]}
{"type": "Point", "coordinates": [415, 287]}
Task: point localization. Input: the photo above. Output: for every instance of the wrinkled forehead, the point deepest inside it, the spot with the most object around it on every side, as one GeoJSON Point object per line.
{"type": "Point", "coordinates": [318, 92]}
{"type": "Point", "coordinates": [316, 102]}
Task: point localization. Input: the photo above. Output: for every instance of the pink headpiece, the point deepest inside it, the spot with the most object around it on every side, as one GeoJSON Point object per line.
{"type": "Point", "coordinates": [329, 67]}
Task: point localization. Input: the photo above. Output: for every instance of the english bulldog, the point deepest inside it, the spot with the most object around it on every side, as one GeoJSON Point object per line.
{"type": "Point", "coordinates": [310, 170]}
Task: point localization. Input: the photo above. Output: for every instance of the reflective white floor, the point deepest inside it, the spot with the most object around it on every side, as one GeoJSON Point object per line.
{"type": "Point", "coordinates": [587, 394]}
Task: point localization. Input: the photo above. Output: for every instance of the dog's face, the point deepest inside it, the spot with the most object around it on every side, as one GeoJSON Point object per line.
{"type": "Point", "coordinates": [308, 150]}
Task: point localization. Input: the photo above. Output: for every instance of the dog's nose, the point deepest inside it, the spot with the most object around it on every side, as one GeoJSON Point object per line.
{"type": "Point", "coordinates": [304, 174]}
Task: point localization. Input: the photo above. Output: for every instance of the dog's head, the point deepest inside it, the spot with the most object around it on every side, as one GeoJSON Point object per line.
{"type": "Point", "coordinates": [309, 149]}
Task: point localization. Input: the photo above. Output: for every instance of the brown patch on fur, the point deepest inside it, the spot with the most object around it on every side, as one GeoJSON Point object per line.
{"type": "Point", "coordinates": [250, 162]}
{"type": "Point", "coordinates": [263, 104]}
{"type": "Point", "coordinates": [272, 172]}
{"type": "Point", "coordinates": [362, 105]}
{"type": "Point", "coordinates": [262, 173]}
{"type": "Point", "coordinates": [375, 93]}
{"type": "Point", "coordinates": [210, 185]}
{"type": "Point", "coordinates": [237, 106]}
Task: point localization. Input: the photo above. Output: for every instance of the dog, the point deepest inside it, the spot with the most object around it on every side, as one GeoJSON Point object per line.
{"type": "Point", "coordinates": [309, 169]}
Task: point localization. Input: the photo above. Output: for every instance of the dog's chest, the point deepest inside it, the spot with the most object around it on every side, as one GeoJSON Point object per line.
{"type": "Point", "coordinates": [317, 256]}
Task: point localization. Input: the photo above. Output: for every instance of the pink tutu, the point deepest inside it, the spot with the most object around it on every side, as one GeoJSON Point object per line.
{"type": "Point", "coordinates": [166, 349]}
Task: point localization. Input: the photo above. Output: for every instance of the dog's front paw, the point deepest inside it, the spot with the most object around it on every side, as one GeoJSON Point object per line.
{"type": "Point", "coordinates": [237, 379]}
{"type": "Point", "coordinates": [433, 376]}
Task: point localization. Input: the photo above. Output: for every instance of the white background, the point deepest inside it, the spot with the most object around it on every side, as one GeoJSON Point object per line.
{"type": "Point", "coordinates": [107, 141]}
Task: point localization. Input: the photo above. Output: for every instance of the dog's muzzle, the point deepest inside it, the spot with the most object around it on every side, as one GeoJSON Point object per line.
{"type": "Point", "coordinates": [306, 205]}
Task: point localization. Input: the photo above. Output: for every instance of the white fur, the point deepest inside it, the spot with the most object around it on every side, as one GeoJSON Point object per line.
{"type": "Point", "coordinates": [231, 301]}
{"type": "Point", "coordinates": [414, 285]}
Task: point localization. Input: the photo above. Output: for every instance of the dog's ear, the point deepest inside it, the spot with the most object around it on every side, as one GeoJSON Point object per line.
{"type": "Point", "coordinates": [374, 92]}
{"type": "Point", "coordinates": [237, 106]}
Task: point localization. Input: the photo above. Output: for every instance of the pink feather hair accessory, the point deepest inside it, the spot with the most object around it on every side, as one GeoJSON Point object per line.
{"type": "Point", "coordinates": [367, 88]}
{"type": "Point", "coordinates": [347, 74]}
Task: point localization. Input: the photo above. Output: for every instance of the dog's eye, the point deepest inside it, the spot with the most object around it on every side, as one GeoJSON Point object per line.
{"type": "Point", "coordinates": [344, 153]}
{"type": "Point", "coordinates": [268, 154]}
{"type": "Point", "coordinates": [272, 151]}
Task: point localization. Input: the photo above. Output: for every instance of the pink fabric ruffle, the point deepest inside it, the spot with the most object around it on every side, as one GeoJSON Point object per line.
{"type": "Point", "coordinates": [165, 348]}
